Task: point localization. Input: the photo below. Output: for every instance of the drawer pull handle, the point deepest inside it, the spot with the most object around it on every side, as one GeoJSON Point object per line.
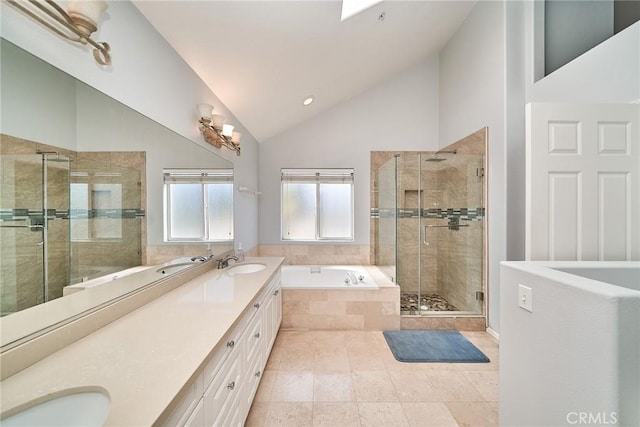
{"type": "Point", "coordinates": [231, 344]}
{"type": "Point", "coordinates": [257, 335]}
{"type": "Point", "coordinates": [231, 385]}
{"type": "Point", "coordinates": [257, 374]}
{"type": "Point", "coordinates": [256, 305]}
{"type": "Point", "coordinates": [276, 292]}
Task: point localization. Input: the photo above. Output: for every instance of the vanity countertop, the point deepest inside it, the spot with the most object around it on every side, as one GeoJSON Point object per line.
{"type": "Point", "coordinates": [145, 358]}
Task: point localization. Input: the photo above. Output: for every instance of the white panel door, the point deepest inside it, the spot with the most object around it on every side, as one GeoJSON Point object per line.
{"type": "Point", "coordinates": [583, 182]}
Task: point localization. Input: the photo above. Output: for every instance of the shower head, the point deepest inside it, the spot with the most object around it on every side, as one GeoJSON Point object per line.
{"type": "Point", "coordinates": [435, 158]}
{"type": "Point", "coordinates": [49, 155]}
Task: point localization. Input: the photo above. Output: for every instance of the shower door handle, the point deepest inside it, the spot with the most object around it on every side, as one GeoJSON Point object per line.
{"type": "Point", "coordinates": [424, 236]}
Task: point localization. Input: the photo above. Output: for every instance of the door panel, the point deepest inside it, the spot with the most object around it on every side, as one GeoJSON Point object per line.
{"type": "Point", "coordinates": [583, 182]}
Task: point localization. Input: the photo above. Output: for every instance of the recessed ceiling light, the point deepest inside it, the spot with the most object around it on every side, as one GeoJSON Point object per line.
{"type": "Point", "coordinates": [308, 100]}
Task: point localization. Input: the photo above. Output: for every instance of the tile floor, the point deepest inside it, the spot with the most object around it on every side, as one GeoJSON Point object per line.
{"type": "Point", "coordinates": [350, 378]}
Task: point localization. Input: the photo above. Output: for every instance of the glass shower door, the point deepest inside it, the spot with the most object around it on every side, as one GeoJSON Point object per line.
{"type": "Point", "coordinates": [21, 233]}
{"type": "Point", "coordinates": [451, 227]}
{"type": "Point", "coordinates": [56, 230]}
{"type": "Point", "coordinates": [385, 255]}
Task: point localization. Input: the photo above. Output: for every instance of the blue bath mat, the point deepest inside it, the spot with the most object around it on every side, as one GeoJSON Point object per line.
{"type": "Point", "coordinates": [433, 346]}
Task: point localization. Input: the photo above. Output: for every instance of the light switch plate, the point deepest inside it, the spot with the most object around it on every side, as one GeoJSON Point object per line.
{"type": "Point", "coordinates": [525, 297]}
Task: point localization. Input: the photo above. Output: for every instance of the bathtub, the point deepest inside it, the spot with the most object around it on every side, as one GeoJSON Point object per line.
{"type": "Point", "coordinates": [327, 277]}
{"type": "Point", "coordinates": [572, 353]}
{"type": "Point", "coordinates": [317, 298]}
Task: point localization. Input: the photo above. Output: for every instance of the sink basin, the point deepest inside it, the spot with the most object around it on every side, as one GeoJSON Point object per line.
{"type": "Point", "coordinates": [173, 268]}
{"type": "Point", "coordinates": [246, 268]}
{"type": "Point", "coordinates": [86, 408]}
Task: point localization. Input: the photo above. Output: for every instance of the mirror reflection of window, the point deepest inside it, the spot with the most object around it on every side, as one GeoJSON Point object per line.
{"type": "Point", "coordinates": [198, 205]}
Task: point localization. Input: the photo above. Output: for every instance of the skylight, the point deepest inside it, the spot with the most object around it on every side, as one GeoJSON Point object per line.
{"type": "Point", "coordinates": [352, 7]}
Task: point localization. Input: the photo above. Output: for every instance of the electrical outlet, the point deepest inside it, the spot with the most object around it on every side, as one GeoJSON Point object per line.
{"type": "Point", "coordinates": [525, 297]}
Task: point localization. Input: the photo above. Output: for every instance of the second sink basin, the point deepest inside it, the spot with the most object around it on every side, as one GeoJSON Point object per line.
{"type": "Point", "coordinates": [251, 267]}
{"type": "Point", "coordinates": [85, 408]}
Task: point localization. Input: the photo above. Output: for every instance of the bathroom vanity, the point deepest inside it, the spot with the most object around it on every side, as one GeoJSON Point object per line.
{"type": "Point", "coordinates": [193, 356]}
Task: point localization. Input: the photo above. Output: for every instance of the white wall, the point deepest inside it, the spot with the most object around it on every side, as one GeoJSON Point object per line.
{"type": "Point", "coordinates": [23, 79]}
{"type": "Point", "coordinates": [398, 114]}
{"type": "Point", "coordinates": [576, 351]}
{"type": "Point", "coordinates": [472, 96]}
{"type": "Point", "coordinates": [608, 73]}
{"type": "Point", "coordinates": [148, 76]}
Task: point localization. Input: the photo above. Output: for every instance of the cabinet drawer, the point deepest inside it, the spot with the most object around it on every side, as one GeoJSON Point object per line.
{"type": "Point", "coordinates": [223, 392]}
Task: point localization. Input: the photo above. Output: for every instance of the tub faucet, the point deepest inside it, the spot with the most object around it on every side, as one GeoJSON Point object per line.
{"type": "Point", "coordinates": [198, 258]}
{"type": "Point", "coordinates": [224, 262]}
{"type": "Point", "coordinates": [352, 277]}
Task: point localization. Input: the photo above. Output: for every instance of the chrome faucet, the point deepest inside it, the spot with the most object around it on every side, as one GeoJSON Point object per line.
{"type": "Point", "coordinates": [351, 277]}
{"type": "Point", "coordinates": [224, 262]}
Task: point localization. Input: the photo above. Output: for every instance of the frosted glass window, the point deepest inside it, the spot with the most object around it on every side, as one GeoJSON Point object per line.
{"type": "Point", "coordinates": [317, 204]}
{"type": "Point", "coordinates": [220, 212]}
{"type": "Point", "coordinates": [335, 211]}
{"type": "Point", "coordinates": [198, 205]}
{"type": "Point", "coordinates": [299, 206]}
{"type": "Point", "coordinates": [186, 213]}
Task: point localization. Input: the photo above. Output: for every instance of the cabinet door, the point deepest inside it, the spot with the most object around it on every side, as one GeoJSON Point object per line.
{"type": "Point", "coordinates": [197, 416]}
{"type": "Point", "coordinates": [255, 337]}
{"type": "Point", "coordinates": [268, 323]}
{"type": "Point", "coordinates": [223, 391]}
{"type": "Point", "coordinates": [185, 407]}
{"type": "Point", "coordinates": [273, 314]}
{"type": "Point", "coordinates": [251, 382]}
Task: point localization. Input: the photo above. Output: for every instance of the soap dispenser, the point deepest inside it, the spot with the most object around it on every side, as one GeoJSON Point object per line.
{"type": "Point", "coordinates": [240, 253]}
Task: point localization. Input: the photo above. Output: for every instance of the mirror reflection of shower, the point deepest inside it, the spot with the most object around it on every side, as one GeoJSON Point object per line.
{"type": "Point", "coordinates": [50, 238]}
{"type": "Point", "coordinates": [55, 173]}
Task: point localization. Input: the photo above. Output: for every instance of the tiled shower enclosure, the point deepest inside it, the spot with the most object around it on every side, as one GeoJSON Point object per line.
{"type": "Point", "coordinates": [428, 225]}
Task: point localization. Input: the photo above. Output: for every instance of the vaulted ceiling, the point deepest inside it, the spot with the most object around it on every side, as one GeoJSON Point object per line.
{"type": "Point", "coordinates": [262, 58]}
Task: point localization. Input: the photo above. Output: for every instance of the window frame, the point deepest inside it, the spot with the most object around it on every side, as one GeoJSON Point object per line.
{"type": "Point", "coordinates": [204, 177]}
{"type": "Point", "coordinates": [318, 176]}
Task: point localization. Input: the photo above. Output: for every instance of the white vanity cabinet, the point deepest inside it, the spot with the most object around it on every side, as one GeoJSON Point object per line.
{"type": "Point", "coordinates": [221, 395]}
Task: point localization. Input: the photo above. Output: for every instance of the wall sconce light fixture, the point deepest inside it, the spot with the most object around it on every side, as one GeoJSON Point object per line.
{"type": "Point", "coordinates": [215, 131]}
{"type": "Point", "coordinates": [76, 24]}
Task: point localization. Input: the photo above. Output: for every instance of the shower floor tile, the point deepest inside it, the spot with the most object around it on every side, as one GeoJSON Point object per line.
{"type": "Point", "coordinates": [411, 304]}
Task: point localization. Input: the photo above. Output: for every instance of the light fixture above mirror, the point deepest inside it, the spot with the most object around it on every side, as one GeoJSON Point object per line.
{"type": "Point", "coordinates": [215, 131]}
{"type": "Point", "coordinates": [76, 24]}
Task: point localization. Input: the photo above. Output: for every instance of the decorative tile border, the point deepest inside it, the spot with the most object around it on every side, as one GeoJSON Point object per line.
{"type": "Point", "coordinates": [38, 214]}
{"type": "Point", "coordinates": [468, 214]}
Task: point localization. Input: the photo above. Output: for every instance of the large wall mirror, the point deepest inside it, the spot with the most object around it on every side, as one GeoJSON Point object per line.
{"type": "Point", "coordinates": [83, 190]}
